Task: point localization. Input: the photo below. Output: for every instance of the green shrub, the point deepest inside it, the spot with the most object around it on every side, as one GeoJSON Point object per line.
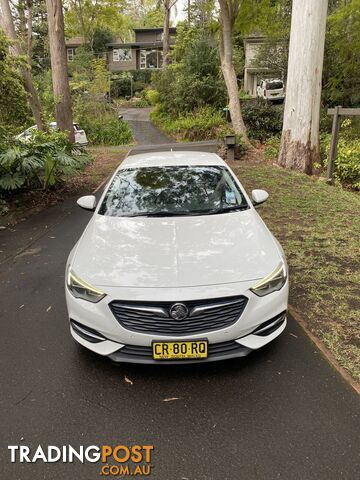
{"type": "Point", "coordinates": [101, 123]}
{"type": "Point", "coordinates": [138, 87]}
{"type": "Point", "coordinates": [121, 87]}
{"type": "Point", "coordinates": [142, 75]}
{"type": "Point", "coordinates": [262, 118]}
{"type": "Point", "coordinates": [325, 121]}
{"type": "Point", "coordinates": [39, 162]}
{"type": "Point", "coordinates": [347, 162]}
{"type": "Point", "coordinates": [14, 110]}
{"type": "Point", "coordinates": [244, 95]}
{"type": "Point", "coordinates": [107, 130]}
{"type": "Point", "coordinates": [204, 124]}
{"type": "Point", "coordinates": [193, 80]}
{"type": "Point", "coordinates": [152, 96]}
{"type": "Point", "coordinates": [272, 148]}
{"type": "Point", "coordinates": [126, 83]}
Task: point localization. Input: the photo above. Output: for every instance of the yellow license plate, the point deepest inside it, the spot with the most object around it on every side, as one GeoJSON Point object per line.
{"type": "Point", "coordinates": [180, 350]}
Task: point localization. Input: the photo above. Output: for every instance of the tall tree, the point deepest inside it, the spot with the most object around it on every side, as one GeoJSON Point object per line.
{"type": "Point", "coordinates": [144, 13]}
{"type": "Point", "coordinates": [59, 71]}
{"type": "Point", "coordinates": [85, 17]}
{"type": "Point", "coordinates": [229, 10]}
{"type": "Point", "coordinates": [300, 137]}
{"type": "Point", "coordinates": [7, 23]}
{"type": "Point", "coordinates": [200, 13]}
{"type": "Point", "coordinates": [167, 6]}
{"type": "Point", "coordinates": [14, 108]}
{"type": "Point", "coordinates": [341, 78]}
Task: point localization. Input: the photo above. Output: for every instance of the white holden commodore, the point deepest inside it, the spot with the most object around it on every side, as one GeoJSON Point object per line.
{"type": "Point", "coordinates": [176, 265]}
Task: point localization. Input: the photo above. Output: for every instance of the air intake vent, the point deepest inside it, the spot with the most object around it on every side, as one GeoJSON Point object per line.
{"type": "Point", "coordinates": [201, 315]}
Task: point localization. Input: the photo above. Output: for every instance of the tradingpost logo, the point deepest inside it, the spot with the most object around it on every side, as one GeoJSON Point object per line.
{"type": "Point", "coordinates": [118, 460]}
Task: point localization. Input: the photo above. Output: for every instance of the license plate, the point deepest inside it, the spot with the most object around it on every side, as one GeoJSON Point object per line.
{"type": "Point", "coordinates": [180, 350]}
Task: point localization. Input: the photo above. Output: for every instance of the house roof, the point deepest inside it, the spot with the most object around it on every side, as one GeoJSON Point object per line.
{"type": "Point", "coordinates": [74, 42]}
{"type": "Point", "coordinates": [255, 39]}
{"type": "Point", "coordinates": [155, 29]}
{"type": "Point", "coordinates": [134, 45]}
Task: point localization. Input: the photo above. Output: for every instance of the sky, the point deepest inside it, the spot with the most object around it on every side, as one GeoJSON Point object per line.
{"type": "Point", "coordinates": [178, 13]}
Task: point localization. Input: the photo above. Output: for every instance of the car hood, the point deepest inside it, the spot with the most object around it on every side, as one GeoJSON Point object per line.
{"type": "Point", "coordinates": [175, 251]}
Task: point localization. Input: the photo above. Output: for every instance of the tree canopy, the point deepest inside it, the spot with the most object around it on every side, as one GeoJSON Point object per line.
{"type": "Point", "coordinates": [14, 111]}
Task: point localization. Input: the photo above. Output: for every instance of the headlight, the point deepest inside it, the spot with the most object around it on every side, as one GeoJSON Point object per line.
{"type": "Point", "coordinates": [271, 283]}
{"type": "Point", "coordinates": [80, 289]}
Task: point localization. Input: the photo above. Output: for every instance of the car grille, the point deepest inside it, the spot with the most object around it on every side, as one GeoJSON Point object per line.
{"type": "Point", "coordinates": [203, 316]}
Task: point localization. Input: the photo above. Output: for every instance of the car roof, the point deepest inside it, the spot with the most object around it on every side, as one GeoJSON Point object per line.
{"type": "Point", "coordinates": [162, 159]}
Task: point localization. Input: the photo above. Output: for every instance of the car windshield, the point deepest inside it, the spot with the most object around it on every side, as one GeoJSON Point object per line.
{"type": "Point", "coordinates": [172, 190]}
{"type": "Point", "coordinates": [275, 85]}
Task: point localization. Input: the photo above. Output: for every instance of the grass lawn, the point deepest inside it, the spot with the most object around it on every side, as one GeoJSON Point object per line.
{"type": "Point", "coordinates": [319, 229]}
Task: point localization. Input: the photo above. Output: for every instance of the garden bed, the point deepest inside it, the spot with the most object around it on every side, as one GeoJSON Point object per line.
{"type": "Point", "coordinates": [205, 124]}
{"type": "Point", "coordinates": [19, 206]}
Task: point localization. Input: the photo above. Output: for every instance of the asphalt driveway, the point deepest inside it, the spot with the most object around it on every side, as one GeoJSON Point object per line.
{"type": "Point", "coordinates": [282, 412]}
{"type": "Point", "coordinates": [144, 131]}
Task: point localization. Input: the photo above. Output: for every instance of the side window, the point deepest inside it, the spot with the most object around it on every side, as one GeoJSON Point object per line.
{"type": "Point", "coordinates": [116, 55]}
{"type": "Point", "coordinates": [70, 54]}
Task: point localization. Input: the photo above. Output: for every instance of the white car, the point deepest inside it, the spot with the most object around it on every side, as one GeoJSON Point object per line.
{"type": "Point", "coordinates": [175, 265]}
{"type": "Point", "coordinates": [80, 135]}
{"type": "Point", "coordinates": [271, 90]}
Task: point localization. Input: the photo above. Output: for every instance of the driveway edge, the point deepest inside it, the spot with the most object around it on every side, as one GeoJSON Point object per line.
{"type": "Point", "coordinates": [326, 353]}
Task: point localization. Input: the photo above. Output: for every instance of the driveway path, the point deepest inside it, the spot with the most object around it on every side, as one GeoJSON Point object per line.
{"type": "Point", "coordinates": [282, 412]}
{"type": "Point", "coordinates": [144, 131]}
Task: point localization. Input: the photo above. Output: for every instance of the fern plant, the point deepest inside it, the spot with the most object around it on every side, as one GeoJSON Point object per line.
{"type": "Point", "coordinates": [39, 162]}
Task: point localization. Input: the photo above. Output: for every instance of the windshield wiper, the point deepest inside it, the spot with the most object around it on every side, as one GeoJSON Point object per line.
{"type": "Point", "coordinates": [164, 213]}
{"type": "Point", "coordinates": [157, 214]}
{"type": "Point", "coordinates": [234, 208]}
{"type": "Point", "coordinates": [169, 214]}
{"type": "Point", "coordinates": [198, 212]}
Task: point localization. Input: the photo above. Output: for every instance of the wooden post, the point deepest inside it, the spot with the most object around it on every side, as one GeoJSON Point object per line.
{"type": "Point", "coordinates": [334, 143]}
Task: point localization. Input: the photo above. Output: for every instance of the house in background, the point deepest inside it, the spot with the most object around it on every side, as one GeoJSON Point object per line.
{"type": "Point", "coordinates": [71, 45]}
{"type": "Point", "coordinates": [253, 72]}
{"type": "Point", "coordinates": [146, 52]}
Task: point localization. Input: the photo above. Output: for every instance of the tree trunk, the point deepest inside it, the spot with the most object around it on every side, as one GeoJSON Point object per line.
{"type": "Point", "coordinates": [82, 24]}
{"type": "Point", "coordinates": [228, 15]}
{"type": "Point", "coordinates": [29, 29]}
{"type": "Point", "coordinates": [300, 136]}
{"type": "Point", "coordinates": [59, 72]}
{"type": "Point", "coordinates": [166, 40]}
{"type": "Point", "coordinates": [9, 28]}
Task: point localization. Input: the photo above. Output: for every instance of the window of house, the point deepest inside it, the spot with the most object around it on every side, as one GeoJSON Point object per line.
{"type": "Point", "coordinates": [122, 55]}
{"type": "Point", "coordinates": [142, 59]}
{"type": "Point", "coordinates": [160, 36]}
{"type": "Point", "coordinates": [70, 54]}
{"type": "Point", "coordinates": [149, 58]}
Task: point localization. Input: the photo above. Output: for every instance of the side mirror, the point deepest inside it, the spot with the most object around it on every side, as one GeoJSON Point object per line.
{"type": "Point", "coordinates": [259, 196]}
{"type": "Point", "coordinates": [88, 202]}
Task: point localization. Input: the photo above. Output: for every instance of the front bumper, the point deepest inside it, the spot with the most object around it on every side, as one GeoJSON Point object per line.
{"type": "Point", "coordinates": [122, 345]}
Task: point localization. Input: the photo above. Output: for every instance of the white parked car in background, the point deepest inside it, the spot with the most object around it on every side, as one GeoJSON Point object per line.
{"type": "Point", "coordinates": [176, 265]}
{"type": "Point", "coordinates": [80, 135]}
{"type": "Point", "coordinates": [271, 90]}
